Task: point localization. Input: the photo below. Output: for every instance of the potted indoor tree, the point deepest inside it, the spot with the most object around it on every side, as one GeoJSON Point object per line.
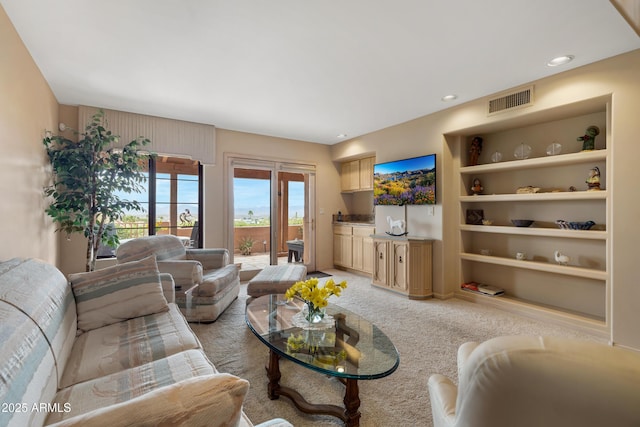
{"type": "Point", "coordinates": [88, 176]}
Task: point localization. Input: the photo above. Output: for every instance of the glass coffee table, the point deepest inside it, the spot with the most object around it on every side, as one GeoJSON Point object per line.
{"type": "Point", "coordinates": [350, 348]}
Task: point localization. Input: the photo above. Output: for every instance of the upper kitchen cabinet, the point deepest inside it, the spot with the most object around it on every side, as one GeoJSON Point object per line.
{"type": "Point", "coordinates": [357, 175]}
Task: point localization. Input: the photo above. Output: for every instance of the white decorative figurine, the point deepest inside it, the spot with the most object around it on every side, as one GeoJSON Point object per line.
{"type": "Point", "coordinates": [396, 226]}
{"type": "Point", "coordinates": [561, 259]}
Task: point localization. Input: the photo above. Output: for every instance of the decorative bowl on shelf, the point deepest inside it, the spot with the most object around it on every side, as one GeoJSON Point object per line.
{"type": "Point", "coordinates": [522, 222]}
{"type": "Point", "coordinates": [522, 152]}
{"type": "Point", "coordinates": [554, 149]}
{"type": "Point", "coordinates": [496, 157]}
{"type": "Point", "coordinates": [574, 225]}
{"type": "Point", "coordinates": [487, 222]}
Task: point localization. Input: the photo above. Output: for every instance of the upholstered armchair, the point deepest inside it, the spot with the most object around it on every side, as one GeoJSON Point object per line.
{"type": "Point", "coordinates": [539, 381]}
{"type": "Point", "coordinates": [217, 281]}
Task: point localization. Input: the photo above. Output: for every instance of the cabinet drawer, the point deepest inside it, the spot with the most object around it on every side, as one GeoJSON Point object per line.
{"type": "Point", "coordinates": [363, 231]}
{"type": "Point", "coordinates": [343, 230]}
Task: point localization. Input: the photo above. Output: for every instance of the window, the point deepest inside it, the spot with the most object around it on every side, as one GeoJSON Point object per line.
{"type": "Point", "coordinates": [172, 203]}
{"type": "Point", "coordinates": [177, 199]}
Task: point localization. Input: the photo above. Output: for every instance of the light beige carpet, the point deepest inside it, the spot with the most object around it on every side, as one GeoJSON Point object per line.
{"type": "Point", "coordinates": [426, 333]}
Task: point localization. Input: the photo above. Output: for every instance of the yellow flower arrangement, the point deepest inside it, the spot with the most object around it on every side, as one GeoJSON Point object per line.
{"type": "Point", "coordinates": [318, 348]}
{"type": "Point", "coordinates": [314, 296]}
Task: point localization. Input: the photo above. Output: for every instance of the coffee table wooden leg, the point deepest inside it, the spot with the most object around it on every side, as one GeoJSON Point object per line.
{"type": "Point", "coordinates": [352, 403]}
{"type": "Point", "coordinates": [349, 414]}
{"type": "Point", "coordinates": [273, 373]}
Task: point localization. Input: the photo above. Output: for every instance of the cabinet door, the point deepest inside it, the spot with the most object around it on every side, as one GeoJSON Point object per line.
{"type": "Point", "coordinates": [357, 260]}
{"type": "Point", "coordinates": [342, 245]}
{"type": "Point", "coordinates": [380, 263]}
{"type": "Point", "coordinates": [400, 266]}
{"type": "Point", "coordinates": [350, 176]}
{"type": "Point", "coordinates": [366, 173]}
{"type": "Point", "coordinates": [345, 176]}
{"type": "Point", "coordinates": [347, 251]}
{"type": "Point", "coordinates": [342, 250]}
{"type": "Point", "coordinates": [367, 255]}
{"type": "Point", "coordinates": [337, 250]}
{"type": "Point", "coordinates": [354, 175]}
{"type": "Point", "coordinates": [362, 256]}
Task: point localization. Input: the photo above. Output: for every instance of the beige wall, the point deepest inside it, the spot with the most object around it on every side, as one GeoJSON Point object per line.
{"type": "Point", "coordinates": [618, 77]}
{"type": "Point", "coordinates": [27, 108]}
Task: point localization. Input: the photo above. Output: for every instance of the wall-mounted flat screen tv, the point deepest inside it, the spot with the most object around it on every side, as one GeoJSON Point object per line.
{"type": "Point", "coordinates": [405, 182]}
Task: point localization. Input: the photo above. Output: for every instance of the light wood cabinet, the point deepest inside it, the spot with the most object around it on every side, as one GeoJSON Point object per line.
{"type": "Point", "coordinates": [342, 246]}
{"type": "Point", "coordinates": [577, 294]}
{"type": "Point", "coordinates": [350, 176]}
{"type": "Point", "coordinates": [362, 245]}
{"type": "Point", "coordinates": [366, 173]}
{"type": "Point", "coordinates": [357, 175]}
{"type": "Point", "coordinates": [367, 253]}
{"type": "Point", "coordinates": [353, 247]}
{"type": "Point", "coordinates": [403, 265]}
{"type": "Point", "coordinates": [380, 262]}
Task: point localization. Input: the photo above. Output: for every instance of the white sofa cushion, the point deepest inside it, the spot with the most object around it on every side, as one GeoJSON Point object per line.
{"type": "Point", "coordinates": [127, 384]}
{"type": "Point", "coordinates": [211, 400]}
{"type": "Point", "coordinates": [124, 345]}
{"type": "Point", "coordinates": [117, 293]}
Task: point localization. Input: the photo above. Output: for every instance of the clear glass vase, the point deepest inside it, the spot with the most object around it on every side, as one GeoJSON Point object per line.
{"type": "Point", "coordinates": [313, 314]}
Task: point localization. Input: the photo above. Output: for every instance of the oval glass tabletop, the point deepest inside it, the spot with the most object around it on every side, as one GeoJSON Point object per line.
{"type": "Point", "coordinates": [351, 347]}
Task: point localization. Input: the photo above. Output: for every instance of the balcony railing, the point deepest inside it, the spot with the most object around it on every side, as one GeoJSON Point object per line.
{"type": "Point", "coordinates": [259, 236]}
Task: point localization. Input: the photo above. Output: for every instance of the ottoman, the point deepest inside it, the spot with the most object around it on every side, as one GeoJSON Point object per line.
{"type": "Point", "coordinates": [276, 279]}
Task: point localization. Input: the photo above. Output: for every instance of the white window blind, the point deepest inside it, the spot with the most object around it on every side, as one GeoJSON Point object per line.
{"type": "Point", "coordinates": [175, 138]}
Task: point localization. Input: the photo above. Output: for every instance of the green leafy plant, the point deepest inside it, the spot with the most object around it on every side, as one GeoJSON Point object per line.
{"type": "Point", "coordinates": [246, 245]}
{"type": "Point", "coordinates": [87, 177]}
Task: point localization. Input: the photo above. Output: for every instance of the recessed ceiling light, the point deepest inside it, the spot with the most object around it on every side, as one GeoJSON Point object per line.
{"type": "Point", "coordinates": [342, 135]}
{"type": "Point", "coordinates": [560, 60]}
{"type": "Point", "coordinates": [449, 97]}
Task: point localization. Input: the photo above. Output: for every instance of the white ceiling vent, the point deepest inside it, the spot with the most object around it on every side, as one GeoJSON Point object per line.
{"type": "Point", "coordinates": [511, 101]}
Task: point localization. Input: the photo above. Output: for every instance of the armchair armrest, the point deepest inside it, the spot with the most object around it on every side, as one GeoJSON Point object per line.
{"type": "Point", "coordinates": [443, 394]}
{"type": "Point", "coordinates": [168, 287]}
{"type": "Point", "coordinates": [184, 272]}
{"type": "Point", "coordinates": [464, 351]}
{"type": "Point", "coordinates": [211, 259]}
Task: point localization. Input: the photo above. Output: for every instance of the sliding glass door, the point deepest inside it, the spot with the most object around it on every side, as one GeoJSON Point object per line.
{"type": "Point", "coordinates": [270, 212]}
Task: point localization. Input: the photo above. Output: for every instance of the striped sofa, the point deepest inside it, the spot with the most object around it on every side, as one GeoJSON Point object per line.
{"type": "Point", "coordinates": [107, 348]}
{"type": "Point", "coordinates": [218, 281]}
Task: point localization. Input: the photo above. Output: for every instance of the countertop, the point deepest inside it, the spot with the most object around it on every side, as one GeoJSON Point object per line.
{"type": "Point", "coordinates": [355, 220]}
{"type": "Point", "coordinates": [355, 223]}
{"type": "Point", "coordinates": [403, 238]}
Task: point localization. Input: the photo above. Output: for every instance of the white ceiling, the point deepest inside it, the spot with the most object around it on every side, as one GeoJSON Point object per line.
{"type": "Point", "coordinates": [303, 69]}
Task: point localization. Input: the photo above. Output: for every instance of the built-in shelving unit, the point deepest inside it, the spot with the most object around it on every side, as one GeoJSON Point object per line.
{"type": "Point", "coordinates": [548, 232]}
{"type": "Point", "coordinates": [538, 197]}
{"type": "Point", "coordinates": [539, 266]}
{"type": "Point", "coordinates": [577, 294]}
{"type": "Point", "coordinates": [540, 162]}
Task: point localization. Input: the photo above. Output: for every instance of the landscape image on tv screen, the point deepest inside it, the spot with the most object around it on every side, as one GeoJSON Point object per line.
{"type": "Point", "coordinates": [405, 182]}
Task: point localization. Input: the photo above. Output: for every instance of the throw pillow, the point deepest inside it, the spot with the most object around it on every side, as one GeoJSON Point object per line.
{"type": "Point", "coordinates": [209, 400]}
{"type": "Point", "coordinates": [117, 293]}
